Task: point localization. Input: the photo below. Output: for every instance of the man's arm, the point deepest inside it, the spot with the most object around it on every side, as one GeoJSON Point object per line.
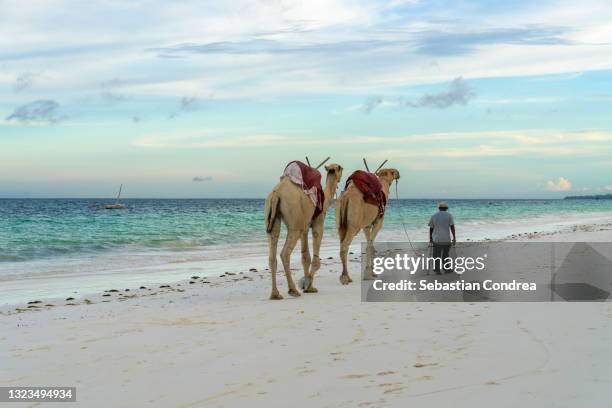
{"type": "Point", "coordinates": [430, 234]}
{"type": "Point", "coordinates": [452, 228]}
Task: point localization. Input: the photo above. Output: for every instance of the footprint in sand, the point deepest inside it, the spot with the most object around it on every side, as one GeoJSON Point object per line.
{"type": "Point", "coordinates": [353, 376]}
{"type": "Point", "coordinates": [378, 403]}
{"type": "Point", "coordinates": [390, 384]}
{"type": "Point", "coordinates": [396, 389]}
{"type": "Point", "coordinates": [421, 365]}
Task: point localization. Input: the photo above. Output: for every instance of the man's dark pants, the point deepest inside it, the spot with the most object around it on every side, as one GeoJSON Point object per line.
{"type": "Point", "coordinates": [440, 251]}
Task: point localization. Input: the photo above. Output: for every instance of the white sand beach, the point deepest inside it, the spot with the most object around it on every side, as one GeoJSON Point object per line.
{"type": "Point", "coordinates": [219, 342]}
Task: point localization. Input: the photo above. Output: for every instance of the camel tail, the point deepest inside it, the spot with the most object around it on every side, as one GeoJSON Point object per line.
{"type": "Point", "coordinates": [341, 217]}
{"type": "Point", "coordinates": [271, 210]}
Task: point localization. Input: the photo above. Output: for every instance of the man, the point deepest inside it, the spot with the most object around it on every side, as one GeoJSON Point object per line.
{"type": "Point", "coordinates": [441, 225]}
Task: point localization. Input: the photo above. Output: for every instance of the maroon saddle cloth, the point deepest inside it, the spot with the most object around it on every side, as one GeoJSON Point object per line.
{"type": "Point", "coordinates": [310, 181]}
{"type": "Point", "coordinates": [370, 187]}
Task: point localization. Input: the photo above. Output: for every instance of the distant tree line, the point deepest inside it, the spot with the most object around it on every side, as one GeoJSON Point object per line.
{"type": "Point", "coordinates": [591, 197]}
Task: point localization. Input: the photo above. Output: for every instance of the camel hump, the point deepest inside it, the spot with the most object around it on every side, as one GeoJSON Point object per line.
{"type": "Point", "coordinates": [310, 181]}
{"type": "Point", "coordinates": [303, 174]}
{"type": "Point", "coordinates": [371, 188]}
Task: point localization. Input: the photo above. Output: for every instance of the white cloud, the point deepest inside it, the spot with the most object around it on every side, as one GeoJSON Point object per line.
{"type": "Point", "coordinates": [562, 184]}
{"type": "Point", "coordinates": [535, 143]}
{"type": "Point", "coordinates": [333, 47]}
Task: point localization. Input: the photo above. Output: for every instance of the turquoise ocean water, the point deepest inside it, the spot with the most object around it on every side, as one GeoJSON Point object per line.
{"type": "Point", "coordinates": [36, 229]}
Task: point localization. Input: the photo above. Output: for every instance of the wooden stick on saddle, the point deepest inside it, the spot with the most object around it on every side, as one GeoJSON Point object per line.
{"type": "Point", "coordinates": [380, 167]}
{"type": "Point", "coordinates": [366, 164]}
{"type": "Point", "coordinates": [323, 162]}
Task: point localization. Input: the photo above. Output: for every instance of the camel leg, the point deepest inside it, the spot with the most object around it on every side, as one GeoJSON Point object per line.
{"type": "Point", "coordinates": [367, 231]}
{"type": "Point", "coordinates": [351, 231]}
{"type": "Point", "coordinates": [306, 260]}
{"type": "Point", "coordinates": [273, 242]}
{"type": "Point", "coordinates": [378, 223]}
{"type": "Point", "coordinates": [376, 227]}
{"type": "Point", "coordinates": [292, 238]}
{"type": "Point", "coordinates": [317, 236]}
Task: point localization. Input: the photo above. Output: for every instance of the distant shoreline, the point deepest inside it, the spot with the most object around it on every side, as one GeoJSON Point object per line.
{"type": "Point", "coordinates": [590, 197]}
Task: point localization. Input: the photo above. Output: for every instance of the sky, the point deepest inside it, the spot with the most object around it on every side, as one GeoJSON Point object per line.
{"type": "Point", "coordinates": [467, 99]}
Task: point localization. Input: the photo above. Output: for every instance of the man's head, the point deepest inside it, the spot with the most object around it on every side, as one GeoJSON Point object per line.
{"type": "Point", "coordinates": [442, 206]}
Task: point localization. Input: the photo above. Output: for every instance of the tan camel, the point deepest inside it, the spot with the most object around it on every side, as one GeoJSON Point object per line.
{"type": "Point", "coordinates": [354, 214]}
{"type": "Point", "coordinates": [289, 203]}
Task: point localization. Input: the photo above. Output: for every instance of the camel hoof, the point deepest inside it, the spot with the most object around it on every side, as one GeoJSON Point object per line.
{"type": "Point", "coordinates": [275, 296]}
{"type": "Point", "coordinates": [305, 282]}
{"type": "Point", "coordinates": [311, 290]}
{"type": "Point", "coordinates": [345, 279]}
{"type": "Point", "coordinates": [294, 293]}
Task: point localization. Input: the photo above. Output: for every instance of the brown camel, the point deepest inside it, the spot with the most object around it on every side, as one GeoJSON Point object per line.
{"type": "Point", "coordinates": [354, 214]}
{"type": "Point", "coordinates": [289, 203]}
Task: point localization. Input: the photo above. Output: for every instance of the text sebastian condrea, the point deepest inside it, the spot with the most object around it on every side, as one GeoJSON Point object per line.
{"type": "Point", "coordinates": [462, 285]}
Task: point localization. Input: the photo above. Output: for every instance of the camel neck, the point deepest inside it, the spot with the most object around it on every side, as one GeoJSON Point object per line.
{"type": "Point", "coordinates": [386, 185]}
{"type": "Point", "coordinates": [331, 182]}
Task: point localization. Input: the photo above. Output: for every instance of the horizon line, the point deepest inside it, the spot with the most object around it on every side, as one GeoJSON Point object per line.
{"type": "Point", "coordinates": [263, 198]}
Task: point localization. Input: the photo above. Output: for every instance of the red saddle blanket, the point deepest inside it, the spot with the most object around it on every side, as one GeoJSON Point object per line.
{"type": "Point", "coordinates": [310, 181]}
{"type": "Point", "coordinates": [370, 187]}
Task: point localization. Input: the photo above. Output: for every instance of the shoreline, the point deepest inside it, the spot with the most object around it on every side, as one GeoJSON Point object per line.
{"type": "Point", "coordinates": [191, 275]}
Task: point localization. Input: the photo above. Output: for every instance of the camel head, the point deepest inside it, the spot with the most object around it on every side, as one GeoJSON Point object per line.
{"type": "Point", "coordinates": [388, 175]}
{"type": "Point", "coordinates": [334, 170]}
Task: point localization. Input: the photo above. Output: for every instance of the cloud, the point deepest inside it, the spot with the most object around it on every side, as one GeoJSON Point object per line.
{"type": "Point", "coordinates": [200, 178]}
{"type": "Point", "coordinates": [493, 143]}
{"type": "Point", "coordinates": [186, 104]}
{"type": "Point", "coordinates": [266, 46]}
{"type": "Point", "coordinates": [110, 90]}
{"type": "Point", "coordinates": [40, 111]}
{"type": "Point", "coordinates": [458, 93]}
{"type": "Point", "coordinates": [430, 43]}
{"type": "Point", "coordinates": [372, 103]}
{"type": "Point", "coordinates": [24, 81]}
{"type": "Point", "coordinates": [608, 188]}
{"type": "Point", "coordinates": [449, 43]}
{"type": "Point", "coordinates": [562, 184]}
{"type": "Point", "coordinates": [289, 47]}
{"type": "Point", "coordinates": [558, 77]}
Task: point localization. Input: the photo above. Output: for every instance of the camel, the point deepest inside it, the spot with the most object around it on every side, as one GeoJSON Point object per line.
{"type": "Point", "coordinates": [289, 203]}
{"type": "Point", "coordinates": [354, 214]}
